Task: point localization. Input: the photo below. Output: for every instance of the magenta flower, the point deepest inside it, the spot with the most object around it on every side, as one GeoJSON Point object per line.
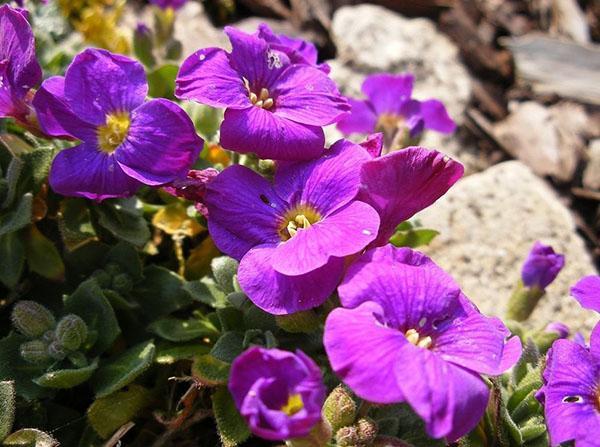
{"type": "Point", "coordinates": [587, 292]}
{"type": "Point", "coordinates": [279, 393]}
{"type": "Point", "coordinates": [571, 392]}
{"type": "Point", "coordinates": [559, 328]}
{"type": "Point", "coordinates": [193, 187]}
{"type": "Point", "coordinates": [389, 106]}
{"type": "Point", "coordinates": [165, 4]}
{"type": "Point", "coordinates": [291, 236]}
{"type": "Point", "coordinates": [274, 108]}
{"type": "Point", "coordinates": [19, 68]}
{"type": "Point", "coordinates": [408, 334]}
{"type": "Point", "coordinates": [541, 266]}
{"type": "Point", "coordinates": [125, 141]}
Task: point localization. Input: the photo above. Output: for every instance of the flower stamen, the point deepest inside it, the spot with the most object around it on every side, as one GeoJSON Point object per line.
{"type": "Point", "coordinates": [112, 134]}
{"type": "Point", "coordinates": [293, 405]}
{"type": "Point", "coordinates": [296, 219]}
{"type": "Point", "coordinates": [262, 99]}
{"type": "Point", "coordinates": [415, 338]}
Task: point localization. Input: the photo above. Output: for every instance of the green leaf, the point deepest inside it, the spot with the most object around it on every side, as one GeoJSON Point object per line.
{"type": "Point", "coordinates": [123, 369]}
{"type": "Point", "coordinates": [67, 378]}
{"type": "Point", "coordinates": [161, 81]}
{"type": "Point", "coordinates": [161, 293]}
{"type": "Point", "coordinates": [30, 437]}
{"type": "Point", "coordinates": [206, 291]}
{"type": "Point", "coordinates": [42, 255]}
{"type": "Point", "coordinates": [168, 353]}
{"type": "Point", "coordinates": [228, 346]}
{"type": "Point", "coordinates": [210, 371]}
{"type": "Point", "coordinates": [37, 165]}
{"type": "Point", "coordinates": [12, 253]}
{"type": "Point", "coordinates": [109, 413]}
{"type": "Point", "coordinates": [18, 218]}
{"type": "Point", "coordinates": [230, 424]}
{"type": "Point", "coordinates": [127, 256]}
{"type": "Point", "coordinates": [91, 305]}
{"type": "Point", "coordinates": [206, 119]}
{"type": "Point", "coordinates": [7, 408]}
{"type": "Point", "coordinates": [173, 329]}
{"type": "Point", "coordinates": [123, 221]}
{"type": "Point", "coordinates": [413, 238]}
{"type": "Point", "coordinates": [231, 319]}
{"type": "Point", "coordinates": [74, 223]}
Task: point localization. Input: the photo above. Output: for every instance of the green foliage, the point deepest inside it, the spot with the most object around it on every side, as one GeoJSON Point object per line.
{"type": "Point", "coordinates": [43, 257]}
{"type": "Point", "coordinates": [210, 371]}
{"type": "Point", "coordinates": [67, 378]}
{"type": "Point", "coordinates": [230, 424]}
{"type": "Point", "coordinates": [30, 437]}
{"type": "Point", "coordinates": [12, 253]}
{"type": "Point", "coordinates": [161, 81]}
{"type": "Point", "coordinates": [409, 234]}
{"type": "Point", "coordinates": [7, 408]}
{"type": "Point", "coordinates": [176, 330]}
{"type": "Point", "coordinates": [161, 293]}
{"type": "Point", "coordinates": [123, 220]}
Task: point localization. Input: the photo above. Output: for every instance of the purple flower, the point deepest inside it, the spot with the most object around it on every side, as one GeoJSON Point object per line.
{"type": "Point", "coordinates": [279, 393]}
{"type": "Point", "coordinates": [389, 106]}
{"type": "Point", "coordinates": [125, 141]}
{"type": "Point", "coordinates": [541, 266]}
{"type": "Point", "coordinates": [408, 334]}
{"type": "Point", "coordinates": [299, 51]}
{"type": "Point", "coordinates": [274, 108]}
{"type": "Point", "coordinates": [19, 68]}
{"type": "Point", "coordinates": [193, 187]}
{"type": "Point", "coordinates": [571, 392]}
{"type": "Point", "coordinates": [560, 328]}
{"type": "Point", "coordinates": [165, 4]}
{"type": "Point", "coordinates": [587, 292]}
{"type": "Point", "coordinates": [291, 235]}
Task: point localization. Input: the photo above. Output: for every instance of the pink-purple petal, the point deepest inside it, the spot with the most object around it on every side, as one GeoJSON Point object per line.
{"type": "Point", "coordinates": [387, 92]}
{"type": "Point", "coordinates": [587, 292]}
{"type": "Point", "coordinates": [259, 131]}
{"type": "Point", "coordinates": [436, 116]}
{"type": "Point", "coordinates": [361, 119]}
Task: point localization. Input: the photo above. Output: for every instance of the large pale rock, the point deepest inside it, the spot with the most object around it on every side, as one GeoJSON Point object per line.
{"type": "Point", "coordinates": [371, 39]}
{"type": "Point", "coordinates": [591, 175]}
{"type": "Point", "coordinates": [195, 31]}
{"type": "Point", "coordinates": [488, 223]}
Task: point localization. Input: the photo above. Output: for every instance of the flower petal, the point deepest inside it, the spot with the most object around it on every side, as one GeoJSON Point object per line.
{"type": "Point", "coordinates": [259, 131]}
{"type": "Point", "coordinates": [244, 211]}
{"type": "Point", "coordinates": [387, 92]}
{"type": "Point", "coordinates": [343, 233]}
{"type": "Point", "coordinates": [327, 183]}
{"type": "Point", "coordinates": [355, 342]}
{"type": "Point", "coordinates": [400, 184]}
{"type": "Point", "coordinates": [587, 292]}
{"type": "Point", "coordinates": [595, 342]}
{"type": "Point", "coordinates": [436, 117]}
{"type": "Point", "coordinates": [207, 77]}
{"type": "Point", "coordinates": [161, 144]}
{"type": "Point", "coordinates": [373, 144]}
{"type": "Point", "coordinates": [85, 171]}
{"type": "Point", "coordinates": [307, 95]}
{"type": "Point", "coordinates": [361, 119]}
{"type": "Point", "coordinates": [280, 294]}
{"type": "Point", "coordinates": [98, 82]}
{"type": "Point", "coordinates": [54, 114]}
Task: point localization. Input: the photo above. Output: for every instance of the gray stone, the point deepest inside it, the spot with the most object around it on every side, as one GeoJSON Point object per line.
{"type": "Point", "coordinates": [195, 31]}
{"type": "Point", "coordinates": [489, 222]}
{"type": "Point", "coordinates": [591, 175]}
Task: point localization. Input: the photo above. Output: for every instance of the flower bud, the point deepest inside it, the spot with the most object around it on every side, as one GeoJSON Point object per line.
{"type": "Point", "coordinates": [224, 269]}
{"type": "Point", "coordinates": [347, 436]}
{"type": "Point", "coordinates": [143, 44]}
{"type": "Point", "coordinates": [559, 328]}
{"type": "Point", "coordinates": [32, 319]}
{"type": "Point", "coordinates": [34, 351]}
{"type": "Point", "coordinates": [541, 266]}
{"type": "Point", "coordinates": [339, 408]}
{"type": "Point", "coordinates": [122, 283]}
{"type": "Point", "coordinates": [71, 332]}
{"type": "Point", "coordinates": [173, 49]}
{"type": "Point", "coordinates": [56, 350]}
{"type": "Point", "coordinates": [367, 430]}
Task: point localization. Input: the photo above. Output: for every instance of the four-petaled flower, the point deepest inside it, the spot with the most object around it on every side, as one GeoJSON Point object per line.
{"type": "Point", "coordinates": [390, 108]}
{"type": "Point", "coordinates": [125, 141]}
{"type": "Point", "coordinates": [19, 68]}
{"type": "Point", "coordinates": [541, 266]}
{"type": "Point", "coordinates": [408, 334]}
{"type": "Point", "coordinates": [571, 392]}
{"type": "Point", "coordinates": [587, 292]}
{"type": "Point", "coordinates": [274, 108]}
{"type": "Point", "coordinates": [279, 393]}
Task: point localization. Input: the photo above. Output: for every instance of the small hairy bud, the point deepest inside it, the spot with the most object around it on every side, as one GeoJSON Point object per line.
{"type": "Point", "coordinates": [367, 430]}
{"type": "Point", "coordinates": [347, 437]}
{"type": "Point", "coordinates": [56, 350]}
{"type": "Point", "coordinates": [32, 319]}
{"type": "Point", "coordinates": [224, 269]}
{"type": "Point", "coordinates": [339, 408]}
{"type": "Point", "coordinates": [71, 332]}
{"type": "Point", "coordinates": [34, 351]}
{"type": "Point", "coordinates": [122, 283]}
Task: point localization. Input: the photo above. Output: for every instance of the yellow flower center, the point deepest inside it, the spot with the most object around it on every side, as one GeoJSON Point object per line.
{"type": "Point", "coordinates": [415, 338]}
{"type": "Point", "coordinates": [296, 219]}
{"type": "Point", "coordinates": [112, 134]}
{"type": "Point", "coordinates": [262, 99]}
{"type": "Point", "coordinates": [293, 405]}
{"type": "Point", "coordinates": [388, 123]}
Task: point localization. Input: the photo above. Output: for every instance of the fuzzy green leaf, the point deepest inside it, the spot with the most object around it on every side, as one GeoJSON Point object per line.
{"type": "Point", "coordinates": [74, 223]}
{"type": "Point", "coordinates": [161, 81]}
{"type": "Point", "coordinates": [12, 253]}
{"type": "Point", "coordinates": [43, 256]}
{"type": "Point", "coordinates": [206, 291]}
{"type": "Point", "coordinates": [123, 222]}
{"type": "Point", "coordinates": [230, 424]}
{"type": "Point", "coordinates": [228, 346]}
{"type": "Point", "coordinates": [210, 370]}
{"type": "Point", "coordinates": [67, 378]}
{"type": "Point", "coordinates": [123, 369]}
{"type": "Point", "coordinates": [127, 256]}
{"type": "Point", "coordinates": [17, 218]}
{"type": "Point", "coordinates": [7, 408]}
{"type": "Point", "coordinates": [168, 353]}
{"type": "Point", "coordinates": [413, 238]}
{"type": "Point", "coordinates": [173, 329]}
{"type": "Point", "coordinates": [161, 293]}
{"type": "Point", "coordinates": [30, 437]}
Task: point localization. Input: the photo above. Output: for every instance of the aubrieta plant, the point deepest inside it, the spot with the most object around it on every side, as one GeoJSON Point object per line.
{"type": "Point", "coordinates": [214, 272]}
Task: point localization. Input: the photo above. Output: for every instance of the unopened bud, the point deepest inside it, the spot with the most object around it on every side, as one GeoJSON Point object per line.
{"type": "Point", "coordinates": [71, 332]}
{"type": "Point", "coordinates": [173, 49]}
{"type": "Point", "coordinates": [32, 319]}
{"type": "Point", "coordinates": [34, 351]}
{"type": "Point", "coordinates": [266, 167]}
{"type": "Point", "coordinates": [224, 269]}
{"type": "Point", "coordinates": [339, 408]}
{"type": "Point", "coordinates": [347, 437]}
{"type": "Point", "coordinates": [56, 351]}
{"type": "Point", "coordinates": [143, 44]}
{"type": "Point", "coordinates": [122, 283]}
{"type": "Point", "coordinates": [523, 301]}
{"type": "Point", "coordinates": [319, 436]}
{"type": "Point", "coordinates": [367, 430]}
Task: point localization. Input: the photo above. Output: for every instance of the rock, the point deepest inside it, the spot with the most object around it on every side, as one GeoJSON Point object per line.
{"type": "Point", "coordinates": [371, 39]}
{"type": "Point", "coordinates": [569, 20]}
{"type": "Point", "coordinates": [591, 174]}
{"type": "Point", "coordinates": [489, 222]}
{"type": "Point", "coordinates": [548, 140]}
{"type": "Point", "coordinates": [195, 31]}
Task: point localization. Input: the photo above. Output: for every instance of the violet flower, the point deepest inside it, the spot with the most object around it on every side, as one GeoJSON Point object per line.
{"type": "Point", "coordinates": [279, 393]}
{"type": "Point", "coordinates": [19, 68]}
{"type": "Point", "coordinates": [389, 107]}
{"type": "Point", "coordinates": [193, 187]}
{"type": "Point", "coordinates": [291, 236]}
{"type": "Point", "coordinates": [541, 266]}
{"type": "Point", "coordinates": [274, 108]}
{"type": "Point", "coordinates": [408, 334]}
{"type": "Point", "coordinates": [587, 292]}
{"type": "Point", "coordinates": [125, 141]}
{"type": "Point", "coordinates": [559, 328]}
{"type": "Point", "coordinates": [166, 4]}
{"type": "Point", "coordinates": [571, 392]}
